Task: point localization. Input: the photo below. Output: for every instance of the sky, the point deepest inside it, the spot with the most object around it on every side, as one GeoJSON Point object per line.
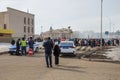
{"type": "Point", "coordinates": [81, 15]}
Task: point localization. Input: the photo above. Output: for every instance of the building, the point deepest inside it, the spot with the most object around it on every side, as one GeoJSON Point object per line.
{"type": "Point", "coordinates": [57, 33]}
{"type": "Point", "coordinates": [22, 23]}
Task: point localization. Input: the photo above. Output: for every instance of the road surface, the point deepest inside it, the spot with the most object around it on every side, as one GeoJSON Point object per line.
{"type": "Point", "coordinates": [70, 68]}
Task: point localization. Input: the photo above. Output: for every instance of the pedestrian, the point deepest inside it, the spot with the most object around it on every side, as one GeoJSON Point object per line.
{"type": "Point", "coordinates": [56, 54]}
{"type": "Point", "coordinates": [48, 45]}
{"type": "Point", "coordinates": [31, 44]}
{"type": "Point", "coordinates": [23, 46]}
{"type": "Point", "coordinates": [18, 47]}
{"type": "Point", "coordinates": [13, 42]}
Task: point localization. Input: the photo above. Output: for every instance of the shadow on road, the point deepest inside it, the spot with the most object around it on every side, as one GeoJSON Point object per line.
{"type": "Point", "coordinates": [68, 56]}
{"type": "Point", "coordinates": [70, 68]}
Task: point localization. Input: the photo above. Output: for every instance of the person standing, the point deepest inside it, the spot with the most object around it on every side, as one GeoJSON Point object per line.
{"type": "Point", "coordinates": [13, 42]}
{"type": "Point", "coordinates": [31, 44]}
{"type": "Point", "coordinates": [56, 54]}
{"type": "Point", "coordinates": [23, 46]}
{"type": "Point", "coordinates": [48, 45]}
{"type": "Point", "coordinates": [18, 47]}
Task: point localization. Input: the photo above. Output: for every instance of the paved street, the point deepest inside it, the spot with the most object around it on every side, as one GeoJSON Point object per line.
{"type": "Point", "coordinates": [70, 68]}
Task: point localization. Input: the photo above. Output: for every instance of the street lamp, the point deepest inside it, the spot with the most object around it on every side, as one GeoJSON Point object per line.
{"type": "Point", "coordinates": [101, 23]}
{"type": "Point", "coordinates": [51, 32]}
{"type": "Point", "coordinates": [41, 33]}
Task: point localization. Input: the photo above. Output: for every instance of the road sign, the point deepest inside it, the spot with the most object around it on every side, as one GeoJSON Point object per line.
{"type": "Point", "coordinates": [106, 32]}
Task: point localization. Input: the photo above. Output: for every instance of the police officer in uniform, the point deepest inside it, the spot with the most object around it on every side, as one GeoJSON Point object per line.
{"type": "Point", "coordinates": [23, 46]}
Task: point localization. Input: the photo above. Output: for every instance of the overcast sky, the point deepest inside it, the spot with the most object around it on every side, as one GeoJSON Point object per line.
{"type": "Point", "coordinates": [81, 15]}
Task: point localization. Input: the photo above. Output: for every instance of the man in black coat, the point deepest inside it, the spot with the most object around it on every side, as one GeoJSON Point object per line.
{"type": "Point", "coordinates": [18, 47]}
{"type": "Point", "coordinates": [31, 44]}
{"type": "Point", "coordinates": [13, 42]}
{"type": "Point", "coordinates": [48, 45]}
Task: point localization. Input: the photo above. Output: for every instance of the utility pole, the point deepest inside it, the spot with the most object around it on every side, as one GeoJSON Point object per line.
{"type": "Point", "coordinates": [51, 32]}
{"type": "Point", "coordinates": [101, 23]}
{"type": "Point", "coordinates": [41, 33]}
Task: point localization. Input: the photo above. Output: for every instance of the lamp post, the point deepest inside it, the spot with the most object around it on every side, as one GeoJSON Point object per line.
{"type": "Point", "coordinates": [41, 33]}
{"type": "Point", "coordinates": [101, 23]}
{"type": "Point", "coordinates": [51, 32]}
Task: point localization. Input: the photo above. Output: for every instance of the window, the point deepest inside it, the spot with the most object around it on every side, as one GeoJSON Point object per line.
{"type": "Point", "coordinates": [32, 30]}
{"type": "Point", "coordinates": [25, 29]}
{"type": "Point", "coordinates": [5, 26]}
{"type": "Point", "coordinates": [28, 20]}
{"type": "Point", "coordinates": [28, 29]}
{"type": "Point", "coordinates": [32, 22]}
{"type": "Point", "coordinates": [24, 20]}
{"type": "Point", "coordinates": [66, 44]}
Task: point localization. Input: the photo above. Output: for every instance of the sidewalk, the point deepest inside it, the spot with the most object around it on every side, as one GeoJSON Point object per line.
{"type": "Point", "coordinates": [4, 47]}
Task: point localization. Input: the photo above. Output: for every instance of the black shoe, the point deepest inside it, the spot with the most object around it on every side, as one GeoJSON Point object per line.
{"type": "Point", "coordinates": [47, 66]}
{"type": "Point", "coordinates": [50, 65]}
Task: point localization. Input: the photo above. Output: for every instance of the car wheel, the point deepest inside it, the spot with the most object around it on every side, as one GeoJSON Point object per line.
{"type": "Point", "coordinates": [11, 53]}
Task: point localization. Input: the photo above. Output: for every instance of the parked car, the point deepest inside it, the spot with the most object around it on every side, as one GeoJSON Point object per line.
{"type": "Point", "coordinates": [12, 49]}
{"type": "Point", "coordinates": [67, 47]}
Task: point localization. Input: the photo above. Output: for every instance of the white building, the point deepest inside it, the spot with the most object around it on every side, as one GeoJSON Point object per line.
{"type": "Point", "coordinates": [58, 33]}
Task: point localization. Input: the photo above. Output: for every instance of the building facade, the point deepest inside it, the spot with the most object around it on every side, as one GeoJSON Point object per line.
{"type": "Point", "coordinates": [57, 33]}
{"type": "Point", "coordinates": [22, 23]}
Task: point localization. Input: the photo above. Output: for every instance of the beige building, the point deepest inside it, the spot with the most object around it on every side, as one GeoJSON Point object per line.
{"type": "Point", "coordinates": [22, 23]}
{"type": "Point", "coordinates": [58, 33]}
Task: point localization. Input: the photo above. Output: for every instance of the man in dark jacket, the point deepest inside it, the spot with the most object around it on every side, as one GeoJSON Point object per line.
{"type": "Point", "coordinates": [31, 44]}
{"type": "Point", "coordinates": [48, 45]}
{"type": "Point", "coordinates": [18, 47]}
{"type": "Point", "coordinates": [13, 42]}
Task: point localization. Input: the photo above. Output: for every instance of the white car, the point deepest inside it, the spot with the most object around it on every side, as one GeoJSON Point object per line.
{"type": "Point", "coordinates": [67, 47]}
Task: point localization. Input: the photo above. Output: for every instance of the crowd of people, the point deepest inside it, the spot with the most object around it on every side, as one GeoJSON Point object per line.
{"type": "Point", "coordinates": [22, 43]}
{"type": "Point", "coordinates": [96, 42]}
{"type": "Point", "coordinates": [50, 46]}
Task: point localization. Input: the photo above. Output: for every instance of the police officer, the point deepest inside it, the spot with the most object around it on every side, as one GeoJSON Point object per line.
{"type": "Point", "coordinates": [23, 46]}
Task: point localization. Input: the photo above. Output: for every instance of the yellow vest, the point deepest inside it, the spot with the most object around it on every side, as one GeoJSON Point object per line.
{"type": "Point", "coordinates": [23, 43]}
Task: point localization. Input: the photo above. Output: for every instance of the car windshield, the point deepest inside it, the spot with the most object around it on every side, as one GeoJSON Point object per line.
{"type": "Point", "coordinates": [66, 44]}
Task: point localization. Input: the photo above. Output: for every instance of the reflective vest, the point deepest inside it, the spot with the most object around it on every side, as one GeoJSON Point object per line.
{"type": "Point", "coordinates": [23, 43]}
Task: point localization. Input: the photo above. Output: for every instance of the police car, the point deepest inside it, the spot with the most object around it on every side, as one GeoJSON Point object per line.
{"type": "Point", "coordinates": [12, 49]}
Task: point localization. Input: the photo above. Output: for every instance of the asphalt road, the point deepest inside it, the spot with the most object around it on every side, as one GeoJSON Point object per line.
{"type": "Point", "coordinates": [70, 68]}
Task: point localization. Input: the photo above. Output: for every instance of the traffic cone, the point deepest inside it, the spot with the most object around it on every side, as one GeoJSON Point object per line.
{"type": "Point", "coordinates": [30, 52]}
